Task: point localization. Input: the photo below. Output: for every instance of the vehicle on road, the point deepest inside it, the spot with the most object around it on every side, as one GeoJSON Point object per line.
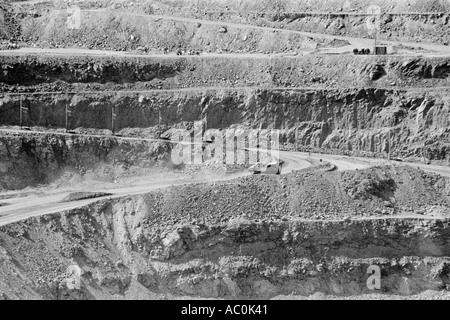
{"type": "Point", "coordinates": [273, 167]}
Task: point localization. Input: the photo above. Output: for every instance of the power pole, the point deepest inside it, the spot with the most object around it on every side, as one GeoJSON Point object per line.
{"type": "Point", "coordinates": [21, 113]}
{"type": "Point", "coordinates": [159, 123]}
{"type": "Point", "coordinates": [389, 150]}
{"type": "Point", "coordinates": [67, 116]}
{"type": "Point", "coordinates": [375, 38]}
{"type": "Point", "coordinates": [375, 47]}
{"type": "Point", "coordinates": [113, 118]}
{"type": "Point", "coordinates": [373, 21]}
{"type": "Point", "coordinates": [165, 38]}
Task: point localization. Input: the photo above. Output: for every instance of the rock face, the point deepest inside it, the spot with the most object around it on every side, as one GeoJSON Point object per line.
{"type": "Point", "coordinates": [346, 120]}
{"type": "Point", "coordinates": [30, 160]}
{"type": "Point", "coordinates": [248, 238]}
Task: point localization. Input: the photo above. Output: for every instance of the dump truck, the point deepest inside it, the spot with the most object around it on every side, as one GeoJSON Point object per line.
{"type": "Point", "coordinates": [273, 167]}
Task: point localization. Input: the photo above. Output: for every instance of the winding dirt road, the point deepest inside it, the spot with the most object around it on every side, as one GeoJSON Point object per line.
{"type": "Point", "coordinates": [36, 204]}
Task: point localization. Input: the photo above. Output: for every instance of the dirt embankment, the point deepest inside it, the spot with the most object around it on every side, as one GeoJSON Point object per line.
{"type": "Point", "coordinates": [428, 28]}
{"type": "Point", "coordinates": [152, 246]}
{"type": "Point", "coordinates": [160, 72]}
{"type": "Point", "coordinates": [28, 160]}
{"type": "Point", "coordinates": [127, 31]}
{"type": "Point", "coordinates": [355, 6]}
{"type": "Point", "coordinates": [118, 27]}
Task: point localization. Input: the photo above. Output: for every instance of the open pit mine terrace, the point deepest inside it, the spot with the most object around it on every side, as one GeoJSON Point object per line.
{"type": "Point", "coordinates": [91, 206]}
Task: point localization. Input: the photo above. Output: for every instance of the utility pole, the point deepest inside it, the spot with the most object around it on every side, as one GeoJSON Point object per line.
{"type": "Point", "coordinates": [113, 118]}
{"type": "Point", "coordinates": [68, 112]}
{"type": "Point", "coordinates": [373, 21]}
{"type": "Point", "coordinates": [389, 150]}
{"type": "Point", "coordinates": [21, 113]}
{"type": "Point", "coordinates": [22, 110]}
{"type": "Point", "coordinates": [375, 47]}
{"type": "Point", "coordinates": [165, 38]}
{"type": "Point", "coordinates": [375, 38]}
{"type": "Point", "coordinates": [159, 123]}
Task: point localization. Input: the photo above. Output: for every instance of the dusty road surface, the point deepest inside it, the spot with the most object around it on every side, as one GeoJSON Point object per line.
{"type": "Point", "coordinates": [37, 205]}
